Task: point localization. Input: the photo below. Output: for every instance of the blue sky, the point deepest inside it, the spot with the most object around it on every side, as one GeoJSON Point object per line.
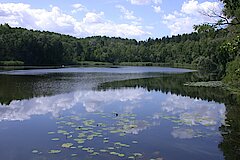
{"type": "Point", "coordinates": [137, 19]}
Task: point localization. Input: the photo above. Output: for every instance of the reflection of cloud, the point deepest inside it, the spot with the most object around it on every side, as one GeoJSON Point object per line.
{"type": "Point", "coordinates": [190, 112]}
{"type": "Point", "coordinates": [139, 126]}
{"type": "Point", "coordinates": [183, 133]}
{"type": "Point", "coordinates": [94, 101]}
{"type": "Point", "coordinates": [193, 111]}
{"type": "Point", "coordinates": [91, 100]}
{"type": "Point", "coordinates": [136, 130]}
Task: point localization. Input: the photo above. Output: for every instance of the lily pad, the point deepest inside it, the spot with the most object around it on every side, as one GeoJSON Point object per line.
{"type": "Point", "coordinates": [34, 151]}
{"type": "Point", "coordinates": [73, 155]}
{"type": "Point", "coordinates": [67, 145]}
{"type": "Point", "coordinates": [103, 150]}
{"type": "Point", "coordinates": [54, 151]}
{"type": "Point", "coordinates": [55, 139]}
{"type": "Point", "coordinates": [95, 153]}
{"type": "Point", "coordinates": [137, 154]}
{"type": "Point", "coordinates": [131, 157]}
{"type": "Point", "coordinates": [113, 153]}
{"type": "Point", "coordinates": [121, 155]}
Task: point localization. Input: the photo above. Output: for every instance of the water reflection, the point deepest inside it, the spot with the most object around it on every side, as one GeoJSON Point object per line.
{"type": "Point", "coordinates": [194, 111]}
{"type": "Point", "coordinates": [194, 115]}
{"type": "Point", "coordinates": [183, 133]}
{"type": "Point", "coordinates": [118, 70]}
{"type": "Point", "coordinates": [182, 111]}
{"type": "Point", "coordinates": [92, 101]}
{"type": "Point", "coordinates": [230, 128]}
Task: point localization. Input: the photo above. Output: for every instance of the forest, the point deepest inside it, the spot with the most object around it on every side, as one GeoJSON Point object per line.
{"type": "Point", "coordinates": [212, 48]}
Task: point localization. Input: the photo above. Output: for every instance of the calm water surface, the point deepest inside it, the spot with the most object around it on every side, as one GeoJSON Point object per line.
{"type": "Point", "coordinates": [111, 113]}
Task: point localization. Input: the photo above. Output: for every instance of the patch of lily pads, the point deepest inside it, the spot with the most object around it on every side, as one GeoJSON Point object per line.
{"type": "Point", "coordinates": [78, 134]}
{"type": "Point", "coordinates": [75, 133]}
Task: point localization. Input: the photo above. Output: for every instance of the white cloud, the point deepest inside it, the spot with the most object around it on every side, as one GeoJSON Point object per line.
{"type": "Point", "coordinates": [145, 2]}
{"type": "Point", "coordinates": [157, 1]}
{"type": "Point", "coordinates": [128, 15]}
{"type": "Point", "coordinates": [178, 24]}
{"type": "Point", "coordinates": [92, 17]}
{"type": "Point", "coordinates": [78, 8]}
{"type": "Point", "coordinates": [93, 23]}
{"type": "Point", "coordinates": [190, 7]}
{"type": "Point", "coordinates": [157, 9]}
{"type": "Point", "coordinates": [191, 14]}
{"type": "Point", "coordinates": [155, 4]}
{"type": "Point", "coordinates": [194, 7]}
{"type": "Point", "coordinates": [169, 17]}
{"type": "Point", "coordinates": [140, 2]}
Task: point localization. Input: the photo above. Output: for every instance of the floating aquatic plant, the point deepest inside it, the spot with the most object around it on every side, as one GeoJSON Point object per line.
{"type": "Point", "coordinates": [67, 145]}
{"type": "Point", "coordinates": [34, 151]}
{"type": "Point", "coordinates": [55, 139]}
{"type": "Point", "coordinates": [137, 154]}
{"type": "Point", "coordinates": [95, 153]}
{"type": "Point", "coordinates": [121, 155]}
{"type": "Point", "coordinates": [79, 130]}
{"type": "Point", "coordinates": [103, 150]}
{"type": "Point", "coordinates": [54, 151]}
{"type": "Point", "coordinates": [73, 155]}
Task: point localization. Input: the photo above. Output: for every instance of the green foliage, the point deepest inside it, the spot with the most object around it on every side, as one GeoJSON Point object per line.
{"type": "Point", "coordinates": [233, 73]}
{"type": "Point", "coordinates": [203, 28]}
{"type": "Point", "coordinates": [91, 63]}
{"type": "Point", "coordinates": [207, 65]}
{"type": "Point", "coordinates": [47, 48]}
{"type": "Point", "coordinates": [232, 47]}
{"type": "Point", "coordinates": [232, 9]}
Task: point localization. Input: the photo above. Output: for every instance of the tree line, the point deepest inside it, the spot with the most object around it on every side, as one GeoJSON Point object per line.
{"type": "Point", "coordinates": [47, 48]}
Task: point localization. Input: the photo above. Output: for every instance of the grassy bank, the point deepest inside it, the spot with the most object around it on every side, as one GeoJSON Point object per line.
{"type": "Point", "coordinates": [92, 63]}
{"type": "Point", "coordinates": [11, 63]}
{"type": "Point", "coordinates": [176, 65]}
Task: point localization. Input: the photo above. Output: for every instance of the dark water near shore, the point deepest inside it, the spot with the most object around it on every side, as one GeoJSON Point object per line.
{"type": "Point", "coordinates": [114, 113]}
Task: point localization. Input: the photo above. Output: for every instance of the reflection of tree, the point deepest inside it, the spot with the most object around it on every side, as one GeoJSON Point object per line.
{"type": "Point", "coordinates": [18, 87]}
{"type": "Point", "coordinates": [174, 84]}
{"type": "Point", "coordinates": [10, 88]}
{"type": "Point", "coordinates": [22, 87]}
{"type": "Point", "coordinates": [231, 134]}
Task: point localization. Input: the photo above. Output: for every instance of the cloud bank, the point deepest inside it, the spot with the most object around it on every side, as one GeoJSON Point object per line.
{"type": "Point", "coordinates": [56, 20]}
{"type": "Point", "coordinates": [190, 14]}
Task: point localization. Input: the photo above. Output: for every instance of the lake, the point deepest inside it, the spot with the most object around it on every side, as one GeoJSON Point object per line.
{"type": "Point", "coordinates": [141, 113]}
